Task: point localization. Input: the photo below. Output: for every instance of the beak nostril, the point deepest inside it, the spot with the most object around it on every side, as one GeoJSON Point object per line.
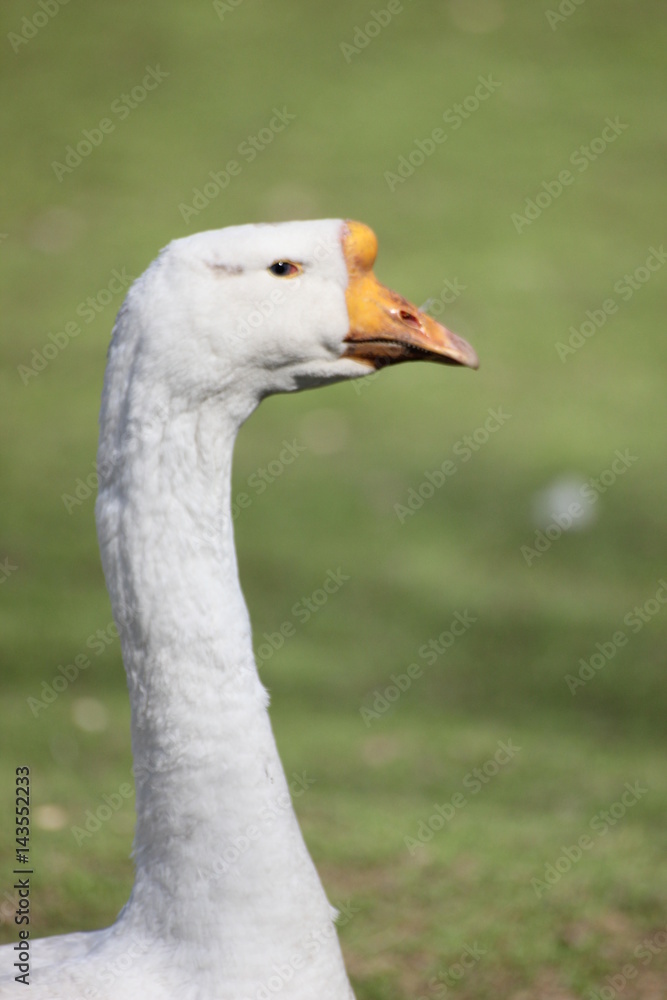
{"type": "Point", "coordinates": [408, 317]}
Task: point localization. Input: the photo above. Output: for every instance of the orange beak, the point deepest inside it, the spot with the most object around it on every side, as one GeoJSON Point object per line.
{"type": "Point", "coordinates": [385, 328]}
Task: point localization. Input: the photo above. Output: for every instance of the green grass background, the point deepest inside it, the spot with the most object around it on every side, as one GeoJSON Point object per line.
{"type": "Point", "coordinates": [414, 914]}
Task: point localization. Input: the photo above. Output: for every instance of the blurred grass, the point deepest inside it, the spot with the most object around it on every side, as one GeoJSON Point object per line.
{"type": "Point", "coordinates": [366, 446]}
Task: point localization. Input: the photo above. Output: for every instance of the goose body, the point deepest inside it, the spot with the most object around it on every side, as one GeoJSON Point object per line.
{"type": "Point", "coordinates": [227, 904]}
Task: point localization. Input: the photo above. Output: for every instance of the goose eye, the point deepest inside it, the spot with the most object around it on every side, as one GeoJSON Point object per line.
{"type": "Point", "coordinates": [285, 269]}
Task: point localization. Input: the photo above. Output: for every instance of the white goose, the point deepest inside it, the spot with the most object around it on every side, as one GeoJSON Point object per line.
{"type": "Point", "coordinates": [225, 906]}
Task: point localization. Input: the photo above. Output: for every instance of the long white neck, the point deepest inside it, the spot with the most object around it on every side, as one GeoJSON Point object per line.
{"type": "Point", "coordinates": [221, 867]}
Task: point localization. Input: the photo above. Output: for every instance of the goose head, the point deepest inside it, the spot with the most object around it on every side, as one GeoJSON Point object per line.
{"type": "Point", "coordinates": [260, 309]}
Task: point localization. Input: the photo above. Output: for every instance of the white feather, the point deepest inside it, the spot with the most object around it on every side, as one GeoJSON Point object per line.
{"type": "Point", "coordinates": [226, 903]}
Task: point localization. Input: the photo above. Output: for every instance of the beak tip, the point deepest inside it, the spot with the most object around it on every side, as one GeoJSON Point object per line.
{"type": "Point", "coordinates": [459, 350]}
